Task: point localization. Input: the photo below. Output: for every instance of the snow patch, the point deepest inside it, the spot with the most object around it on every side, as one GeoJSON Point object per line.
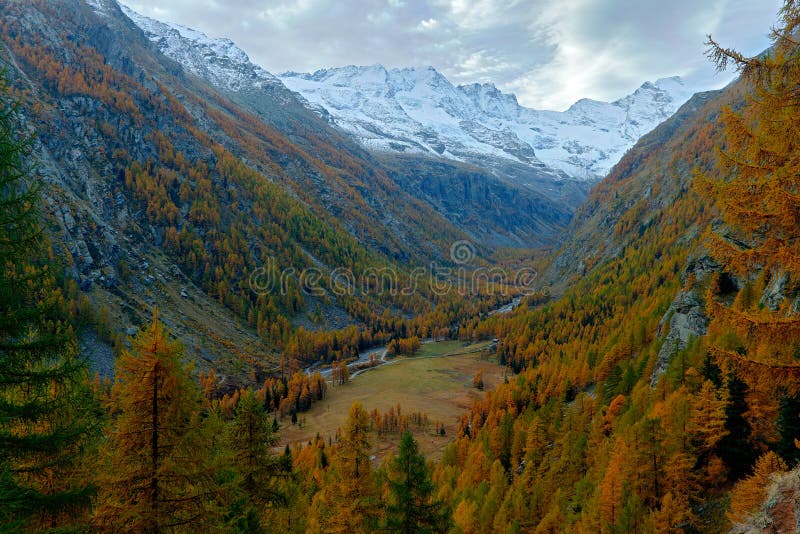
{"type": "Point", "coordinates": [217, 60]}
{"type": "Point", "coordinates": [98, 6]}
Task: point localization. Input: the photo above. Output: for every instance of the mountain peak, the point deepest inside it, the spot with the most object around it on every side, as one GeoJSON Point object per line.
{"type": "Point", "coordinates": [670, 79]}
{"type": "Point", "coordinates": [417, 109]}
{"type": "Point", "coordinates": [426, 74]}
{"type": "Point", "coordinates": [485, 87]}
{"type": "Point", "coordinates": [218, 60]}
{"type": "Point", "coordinates": [671, 84]}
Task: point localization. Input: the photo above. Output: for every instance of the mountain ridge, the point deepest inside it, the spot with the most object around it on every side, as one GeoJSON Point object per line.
{"type": "Point", "coordinates": [484, 123]}
{"type": "Point", "coordinates": [418, 109]}
{"type": "Point", "coordinates": [161, 192]}
{"type": "Point", "coordinates": [172, 41]}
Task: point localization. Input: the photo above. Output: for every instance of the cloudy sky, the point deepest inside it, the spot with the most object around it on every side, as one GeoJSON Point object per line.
{"type": "Point", "coordinates": [548, 52]}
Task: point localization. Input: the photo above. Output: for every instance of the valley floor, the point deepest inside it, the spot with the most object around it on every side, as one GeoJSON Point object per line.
{"type": "Point", "coordinates": [437, 381]}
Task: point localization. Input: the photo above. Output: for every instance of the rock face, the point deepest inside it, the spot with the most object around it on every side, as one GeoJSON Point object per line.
{"type": "Point", "coordinates": [98, 354]}
{"type": "Point", "coordinates": [685, 320]}
{"type": "Point", "coordinates": [780, 512]}
{"type": "Point", "coordinates": [774, 292]}
{"type": "Point", "coordinates": [686, 317]}
{"type": "Point", "coordinates": [493, 211]}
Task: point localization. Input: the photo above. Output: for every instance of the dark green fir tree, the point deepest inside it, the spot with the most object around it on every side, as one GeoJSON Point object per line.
{"type": "Point", "coordinates": [412, 505]}
{"type": "Point", "coordinates": [47, 411]}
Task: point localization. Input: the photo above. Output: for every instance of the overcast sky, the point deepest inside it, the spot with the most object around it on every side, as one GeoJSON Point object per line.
{"type": "Point", "coordinates": [548, 52]}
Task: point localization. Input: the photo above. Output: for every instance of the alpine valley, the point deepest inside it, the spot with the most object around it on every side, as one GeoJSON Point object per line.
{"type": "Point", "coordinates": [365, 299]}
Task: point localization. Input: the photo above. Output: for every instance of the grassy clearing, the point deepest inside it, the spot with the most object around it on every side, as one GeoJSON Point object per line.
{"type": "Point", "coordinates": [438, 382]}
{"type": "Point", "coordinates": [446, 348]}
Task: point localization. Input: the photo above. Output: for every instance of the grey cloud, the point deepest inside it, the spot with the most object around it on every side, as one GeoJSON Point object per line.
{"type": "Point", "coordinates": [549, 52]}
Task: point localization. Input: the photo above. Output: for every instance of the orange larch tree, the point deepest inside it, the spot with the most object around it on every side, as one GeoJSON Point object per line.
{"type": "Point", "coordinates": [759, 201]}
{"type": "Point", "coordinates": [156, 473]}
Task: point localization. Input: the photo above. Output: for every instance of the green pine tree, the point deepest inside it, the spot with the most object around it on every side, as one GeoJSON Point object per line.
{"type": "Point", "coordinates": [412, 507]}
{"type": "Point", "coordinates": [251, 440]}
{"type": "Point", "coordinates": [789, 430]}
{"type": "Point", "coordinates": [47, 411]}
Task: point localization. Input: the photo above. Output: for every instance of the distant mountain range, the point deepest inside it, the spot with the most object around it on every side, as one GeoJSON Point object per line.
{"type": "Point", "coordinates": [418, 111]}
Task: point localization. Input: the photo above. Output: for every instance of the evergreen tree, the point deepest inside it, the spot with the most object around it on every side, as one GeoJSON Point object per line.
{"type": "Point", "coordinates": [735, 448]}
{"type": "Point", "coordinates": [411, 507]}
{"type": "Point", "coordinates": [47, 413]}
{"type": "Point", "coordinates": [789, 430]}
{"type": "Point", "coordinates": [251, 439]}
{"type": "Point", "coordinates": [711, 371]}
{"type": "Point", "coordinates": [158, 474]}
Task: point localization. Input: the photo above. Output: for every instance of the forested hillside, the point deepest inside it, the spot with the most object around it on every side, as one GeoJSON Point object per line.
{"type": "Point", "coordinates": [162, 192]}
{"type": "Point", "coordinates": [659, 392]}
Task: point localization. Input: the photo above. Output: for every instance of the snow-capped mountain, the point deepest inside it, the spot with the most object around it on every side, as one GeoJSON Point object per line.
{"type": "Point", "coordinates": [419, 110]}
{"type": "Point", "coordinates": [218, 61]}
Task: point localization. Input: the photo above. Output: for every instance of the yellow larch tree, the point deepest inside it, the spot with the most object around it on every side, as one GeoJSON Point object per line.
{"type": "Point", "coordinates": [348, 502]}
{"type": "Point", "coordinates": [749, 493]}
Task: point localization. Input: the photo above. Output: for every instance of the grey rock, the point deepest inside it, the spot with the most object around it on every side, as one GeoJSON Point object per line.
{"type": "Point", "coordinates": [69, 220]}
{"type": "Point", "coordinates": [773, 295]}
{"type": "Point", "coordinates": [531, 212]}
{"type": "Point", "coordinates": [700, 267]}
{"type": "Point", "coordinates": [98, 353]}
{"type": "Point", "coordinates": [686, 319]}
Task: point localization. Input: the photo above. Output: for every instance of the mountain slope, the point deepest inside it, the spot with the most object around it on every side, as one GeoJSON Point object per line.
{"type": "Point", "coordinates": [163, 192]}
{"type": "Point", "coordinates": [417, 110]}
{"type": "Point", "coordinates": [511, 214]}
{"type": "Point", "coordinates": [351, 187]}
{"type": "Point", "coordinates": [649, 178]}
{"type": "Point", "coordinates": [508, 175]}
